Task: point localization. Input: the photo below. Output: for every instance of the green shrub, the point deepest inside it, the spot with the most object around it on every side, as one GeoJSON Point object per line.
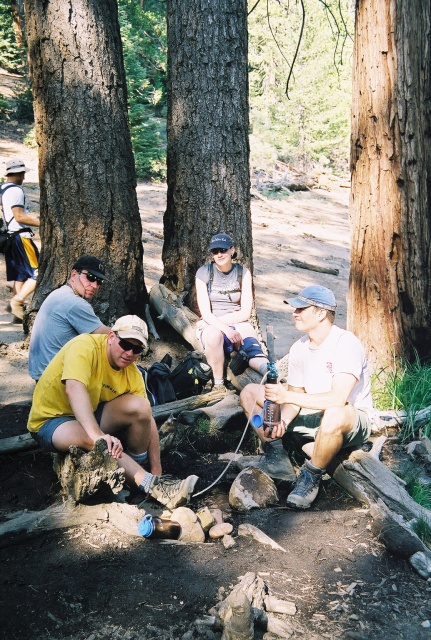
{"type": "Point", "coordinates": [24, 105]}
{"type": "Point", "coordinates": [12, 56]}
{"type": "Point", "coordinates": [5, 108]}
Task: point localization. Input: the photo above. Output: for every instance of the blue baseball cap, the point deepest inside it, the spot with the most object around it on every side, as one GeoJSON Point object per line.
{"type": "Point", "coordinates": [221, 241]}
{"type": "Point", "coordinates": [314, 296]}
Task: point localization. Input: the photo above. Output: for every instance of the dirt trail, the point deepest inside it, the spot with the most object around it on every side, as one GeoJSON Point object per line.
{"type": "Point", "coordinates": [91, 583]}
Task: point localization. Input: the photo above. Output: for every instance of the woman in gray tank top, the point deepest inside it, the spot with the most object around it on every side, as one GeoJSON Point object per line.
{"type": "Point", "coordinates": [225, 299]}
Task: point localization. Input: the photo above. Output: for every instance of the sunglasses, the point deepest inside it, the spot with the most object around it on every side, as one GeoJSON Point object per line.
{"type": "Point", "coordinates": [129, 346]}
{"type": "Point", "coordinates": [215, 251]}
{"type": "Point", "coordinates": [92, 278]}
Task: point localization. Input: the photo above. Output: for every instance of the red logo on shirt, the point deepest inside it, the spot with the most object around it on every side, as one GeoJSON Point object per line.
{"type": "Point", "coordinates": [329, 367]}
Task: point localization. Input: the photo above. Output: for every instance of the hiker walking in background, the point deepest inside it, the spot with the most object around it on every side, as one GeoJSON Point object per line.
{"type": "Point", "coordinates": [225, 300]}
{"type": "Point", "coordinates": [22, 259]}
{"type": "Point", "coordinates": [66, 313]}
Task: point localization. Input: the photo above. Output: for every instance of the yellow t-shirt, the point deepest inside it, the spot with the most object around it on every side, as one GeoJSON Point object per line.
{"type": "Point", "coordinates": [84, 359]}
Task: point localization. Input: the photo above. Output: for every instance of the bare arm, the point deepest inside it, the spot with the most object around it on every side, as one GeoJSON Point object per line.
{"type": "Point", "coordinates": [342, 385]}
{"type": "Point", "coordinates": [102, 329]}
{"type": "Point", "coordinates": [25, 218]}
{"type": "Point", "coordinates": [79, 401]}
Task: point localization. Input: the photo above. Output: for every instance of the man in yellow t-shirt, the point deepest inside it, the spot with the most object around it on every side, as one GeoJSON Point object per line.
{"type": "Point", "coordinates": [93, 389]}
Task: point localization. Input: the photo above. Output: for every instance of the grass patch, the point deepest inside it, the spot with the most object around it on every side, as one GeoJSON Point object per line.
{"type": "Point", "coordinates": [407, 386]}
{"type": "Point", "coordinates": [422, 529]}
{"type": "Point", "coordinates": [421, 494]}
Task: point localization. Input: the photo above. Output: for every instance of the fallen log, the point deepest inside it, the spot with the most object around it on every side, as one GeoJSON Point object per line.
{"type": "Point", "coordinates": [23, 442]}
{"type": "Point", "coordinates": [163, 411]}
{"type": "Point", "coordinates": [19, 526]}
{"type": "Point", "coordinates": [220, 415]}
{"type": "Point", "coordinates": [314, 267]}
{"type": "Point", "coordinates": [170, 308]}
{"type": "Point", "coordinates": [394, 512]}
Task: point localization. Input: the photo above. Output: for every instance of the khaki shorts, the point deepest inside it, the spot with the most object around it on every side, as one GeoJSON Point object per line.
{"type": "Point", "coordinates": [307, 424]}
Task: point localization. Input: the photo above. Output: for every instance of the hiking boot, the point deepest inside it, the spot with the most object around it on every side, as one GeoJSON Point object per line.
{"type": "Point", "coordinates": [306, 488]}
{"type": "Point", "coordinates": [173, 493]}
{"type": "Point", "coordinates": [17, 308]}
{"type": "Point", "coordinates": [226, 387]}
{"type": "Point", "coordinates": [275, 461]}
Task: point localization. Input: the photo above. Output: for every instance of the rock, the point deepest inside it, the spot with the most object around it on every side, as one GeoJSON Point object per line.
{"type": "Point", "coordinates": [220, 530]}
{"type": "Point", "coordinates": [422, 564]}
{"type": "Point", "coordinates": [275, 605]}
{"type": "Point", "coordinates": [206, 518]}
{"type": "Point", "coordinates": [191, 530]}
{"type": "Point", "coordinates": [420, 448]}
{"type": "Point", "coordinates": [217, 514]}
{"type": "Point", "coordinates": [258, 535]}
{"type": "Point", "coordinates": [228, 542]}
{"type": "Point", "coordinates": [252, 489]}
{"type": "Point", "coordinates": [279, 628]}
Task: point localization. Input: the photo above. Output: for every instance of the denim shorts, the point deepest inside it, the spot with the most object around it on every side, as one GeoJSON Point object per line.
{"type": "Point", "coordinates": [43, 437]}
{"type": "Point", "coordinates": [307, 424]}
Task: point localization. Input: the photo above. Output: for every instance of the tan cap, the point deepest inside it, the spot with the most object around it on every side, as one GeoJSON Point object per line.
{"type": "Point", "coordinates": [16, 166]}
{"type": "Point", "coordinates": [132, 327]}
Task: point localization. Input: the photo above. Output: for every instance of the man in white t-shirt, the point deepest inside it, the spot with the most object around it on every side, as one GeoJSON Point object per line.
{"type": "Point", "coordinates": [327, 398]}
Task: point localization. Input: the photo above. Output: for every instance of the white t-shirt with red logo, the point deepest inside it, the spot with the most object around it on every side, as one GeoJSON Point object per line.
{"type": "Point", "coordinates": [341, 352]}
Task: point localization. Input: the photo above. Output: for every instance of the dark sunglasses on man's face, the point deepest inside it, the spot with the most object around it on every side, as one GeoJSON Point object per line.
{"type": "Point", "coordinates": [92, 278]}
{"type": "Point", "coordinates": [129, 346]}
{"type": "Point", "coordinates": [216, 251]}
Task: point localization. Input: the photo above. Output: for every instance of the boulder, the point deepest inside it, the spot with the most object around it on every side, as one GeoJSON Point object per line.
{"type": "Point", "coordinates": [252, 489]}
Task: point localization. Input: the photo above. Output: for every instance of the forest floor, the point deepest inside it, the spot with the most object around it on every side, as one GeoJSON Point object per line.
{"type": "Point", "coordinates": [91, 583]}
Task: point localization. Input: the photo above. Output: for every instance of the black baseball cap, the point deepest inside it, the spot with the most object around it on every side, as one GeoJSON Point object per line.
{"type": "Point", "coordinates": [92, 265]}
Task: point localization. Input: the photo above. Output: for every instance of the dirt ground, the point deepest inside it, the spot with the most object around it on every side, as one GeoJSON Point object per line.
{"type": "Point", "coordinates": [92, 583]}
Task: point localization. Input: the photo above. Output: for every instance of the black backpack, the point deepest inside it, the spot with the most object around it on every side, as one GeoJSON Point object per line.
{"type": "Point", "coordinates": [157, 384]}
{"type": "Point", "coordinates": [187, 379]}
{"type": "Point", "coordinates": [191, 375]}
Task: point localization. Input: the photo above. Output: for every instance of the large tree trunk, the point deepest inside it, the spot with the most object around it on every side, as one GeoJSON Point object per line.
{"type": "Point", "coordinates": [390, 292]}
{"type": "Point", "coordinates": [88, 200]}
{"type": "Point", "coordinates": [208, 149]}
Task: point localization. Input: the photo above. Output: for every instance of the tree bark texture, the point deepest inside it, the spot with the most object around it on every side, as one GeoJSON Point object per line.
{"type": "Point", "coordinates": [390, 292]}
{"type": "Point", "coordinates": [88, 201]}
{"type": "Point", "coordinates": [208, 148]}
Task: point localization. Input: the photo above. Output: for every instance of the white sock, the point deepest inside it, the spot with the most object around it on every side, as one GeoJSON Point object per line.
{"type": "Point", "coordinates": [147, 481]}
{"type": "Point", "coordinates": [218, 381]}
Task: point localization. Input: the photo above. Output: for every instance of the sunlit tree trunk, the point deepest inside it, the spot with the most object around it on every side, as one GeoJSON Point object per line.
{"type": "Point", "coordinates": [17, 8]}
{"type": "Point", "coordinates": [390, 278]}
{"type": "Point", "coordinates": [88, 200]}
{"type": "Point", "coordinates": [208, 149]}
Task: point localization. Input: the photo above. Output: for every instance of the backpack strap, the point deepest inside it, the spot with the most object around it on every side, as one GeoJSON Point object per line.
{"type": "Point", "coordinates": [2, 191]}
{"type": "Point", "coordinates": [239, 273]}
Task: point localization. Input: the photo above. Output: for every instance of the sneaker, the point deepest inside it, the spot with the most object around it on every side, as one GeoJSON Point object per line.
{"type": "Point", "coordinates": [275, 462]}
{"type": "Point", "coordinates": [17, 308]}
{"type": "Point", "coordinates": [173, 493]}
{"type": "Point", "coordinates": [306, 489]}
